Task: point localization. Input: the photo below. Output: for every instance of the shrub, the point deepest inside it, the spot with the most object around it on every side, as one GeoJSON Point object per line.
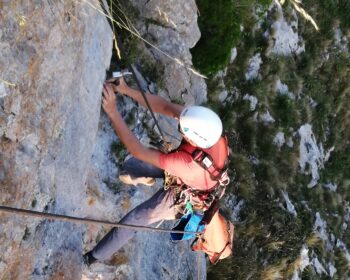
{"type": "Point", "coordinates": [219, 25]}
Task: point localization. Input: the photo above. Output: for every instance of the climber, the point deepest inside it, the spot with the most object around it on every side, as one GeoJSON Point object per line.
{"type": "Point", "coordinates": [201, 129]}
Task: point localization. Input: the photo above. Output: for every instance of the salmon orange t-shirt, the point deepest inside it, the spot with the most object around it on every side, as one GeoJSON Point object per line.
{"type": "Point", "coordinates": [180, 164]}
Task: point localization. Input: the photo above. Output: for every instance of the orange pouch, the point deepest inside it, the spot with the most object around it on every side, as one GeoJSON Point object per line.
{"type": "Point", "coordinates": [217, 239]}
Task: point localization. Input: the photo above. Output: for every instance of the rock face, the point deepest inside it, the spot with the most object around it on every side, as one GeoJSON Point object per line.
{"type": "Point", "coordinates": [173, 27]}
{"type": "Point", "coordinates": [148, 255]}
{"type": "Point", "coordinates": [53, 60]}
{"type": "Point", "coordinates": [55, 148]}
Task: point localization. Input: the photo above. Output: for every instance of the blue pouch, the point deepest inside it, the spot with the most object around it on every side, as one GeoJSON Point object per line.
{"type": "Point", "coordinates": [189, 222]}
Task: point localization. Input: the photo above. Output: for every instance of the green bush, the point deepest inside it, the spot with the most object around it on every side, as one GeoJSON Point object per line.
{"type": "Point", "coordinates": [284, 109]}
{"type": "Point", "coordinates": [219, 25]}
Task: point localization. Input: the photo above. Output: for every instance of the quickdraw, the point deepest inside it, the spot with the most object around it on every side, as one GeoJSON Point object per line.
{"type": "Point", "coordinates": [186, 196]}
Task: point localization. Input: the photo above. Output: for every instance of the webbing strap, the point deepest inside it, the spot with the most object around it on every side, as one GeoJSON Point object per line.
{"type": "Point", "coordinates": [206, 162]}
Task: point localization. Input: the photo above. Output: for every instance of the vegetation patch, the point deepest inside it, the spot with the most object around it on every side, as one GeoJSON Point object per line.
{"type": "Point", "coordinates": [219, 25]}
{"type": "Point", "coordinates": [269, 238]}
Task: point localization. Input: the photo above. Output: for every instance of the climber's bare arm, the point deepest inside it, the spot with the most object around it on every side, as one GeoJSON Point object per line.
{"type": "Point", "coordinates": [130, 141]}
{"type": "Point", "coordinates": [158, 104]}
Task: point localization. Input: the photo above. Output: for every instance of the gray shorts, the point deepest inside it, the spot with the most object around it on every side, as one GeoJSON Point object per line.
{"type": "Point", "coordinates": [159, 207]}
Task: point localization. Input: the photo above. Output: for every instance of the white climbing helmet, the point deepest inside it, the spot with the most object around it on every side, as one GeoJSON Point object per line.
{"type": "Point", "coordinates": [201, 125]}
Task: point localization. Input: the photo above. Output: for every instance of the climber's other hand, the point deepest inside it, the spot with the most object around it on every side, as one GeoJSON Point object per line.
{"type": "Point", "coordinates": [109, 100]}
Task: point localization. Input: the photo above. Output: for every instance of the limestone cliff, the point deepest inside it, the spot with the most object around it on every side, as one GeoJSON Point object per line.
{"type": "Point", "coordinates": [53, 61]}
{"type": "Point", "coordinates": [55, 150]}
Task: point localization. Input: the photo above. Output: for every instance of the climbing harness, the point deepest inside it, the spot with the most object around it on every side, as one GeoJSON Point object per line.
{"type": "Point", "coordinates": [188, 223]}
{"type": "Point", "coordinates": [207, 163]}
{"type": "Point", "coordinates": [187, 198]}
{"type": "Point", "coordinates": [200, 209]}
{"type": "Point", "coordinates": [64, 218]}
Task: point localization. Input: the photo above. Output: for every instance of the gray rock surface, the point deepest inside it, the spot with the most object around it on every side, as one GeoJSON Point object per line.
{"type": "Point", "coordinates": [55, 146]}
{"type": "Point", "coordinates": [53, 60]}
{"type": "Point", "coordinates": [174, 30]}
{"type": "Point", "coordinates": [148, 255]}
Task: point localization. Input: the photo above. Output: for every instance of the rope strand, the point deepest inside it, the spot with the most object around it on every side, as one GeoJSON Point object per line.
{"type": "Point", "coordinates": [132, 69]}
{"type": "Point", "coordinates": [65, 218]}
{"type": "Point", "coordinates": [176, 60]}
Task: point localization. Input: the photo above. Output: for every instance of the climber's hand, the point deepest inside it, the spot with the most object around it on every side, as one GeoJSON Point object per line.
{"type": "Point", "coordinates": [118, 85]}
{"type": "Point", "coordinates": [109, 100]}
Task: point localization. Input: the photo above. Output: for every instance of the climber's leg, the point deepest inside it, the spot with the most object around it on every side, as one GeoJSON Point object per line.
{"type": "Point", "coordinates": [158, 207]}
{"type": "Point", "coordinates": [135, 171]}
{"type": "Point", "coordinates": [138, 168]}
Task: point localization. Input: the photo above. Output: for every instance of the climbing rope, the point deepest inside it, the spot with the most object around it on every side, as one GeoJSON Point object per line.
{"type": "Point", "coordinates": [148, 105]}
{"type": "Point", "coordinates": [132, 69]}
{"type": "Point", "coordinates": [136, 34]}
{"type": "Point", "coordinates": [64, 218]}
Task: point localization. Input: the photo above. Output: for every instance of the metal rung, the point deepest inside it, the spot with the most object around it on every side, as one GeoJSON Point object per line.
{"type": "Point", "coordinates": [119, 74]}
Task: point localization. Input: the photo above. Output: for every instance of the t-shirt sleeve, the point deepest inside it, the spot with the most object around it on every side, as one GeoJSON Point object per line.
{"type": "Point", "coordinates": [176, 163]}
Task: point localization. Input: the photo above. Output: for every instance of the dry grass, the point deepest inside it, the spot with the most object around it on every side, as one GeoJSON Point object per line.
{"type": "Point", "coordinates": [276, 245]}
{"type": "Point", "coordinates": [297, 6]}
{"type": "Point", "coordinates": [91, 201]}
{"type": "Point", "coordinates": [293, 267]}
{"type": "Point", "coordinates": [21, 20]}
{"type": "Point", "coordinates": [126, 204]}
{"type": "Point", "coordinates": [165, 17]}
{"type": "Point", "coordinates": [119, 259]}
{"type": "Point", "coordinates": [274, 272]}
{"type": "Point", "coordinates": [93, 193]}
{"type": "Point", "coordinates": [132, 31]}
{"type": "Point", "coordinates": [116, 47]}
{"type": "Point", "coordinates": [7, 83]}
{"type": "Point", "coordinates": [314, 240]}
